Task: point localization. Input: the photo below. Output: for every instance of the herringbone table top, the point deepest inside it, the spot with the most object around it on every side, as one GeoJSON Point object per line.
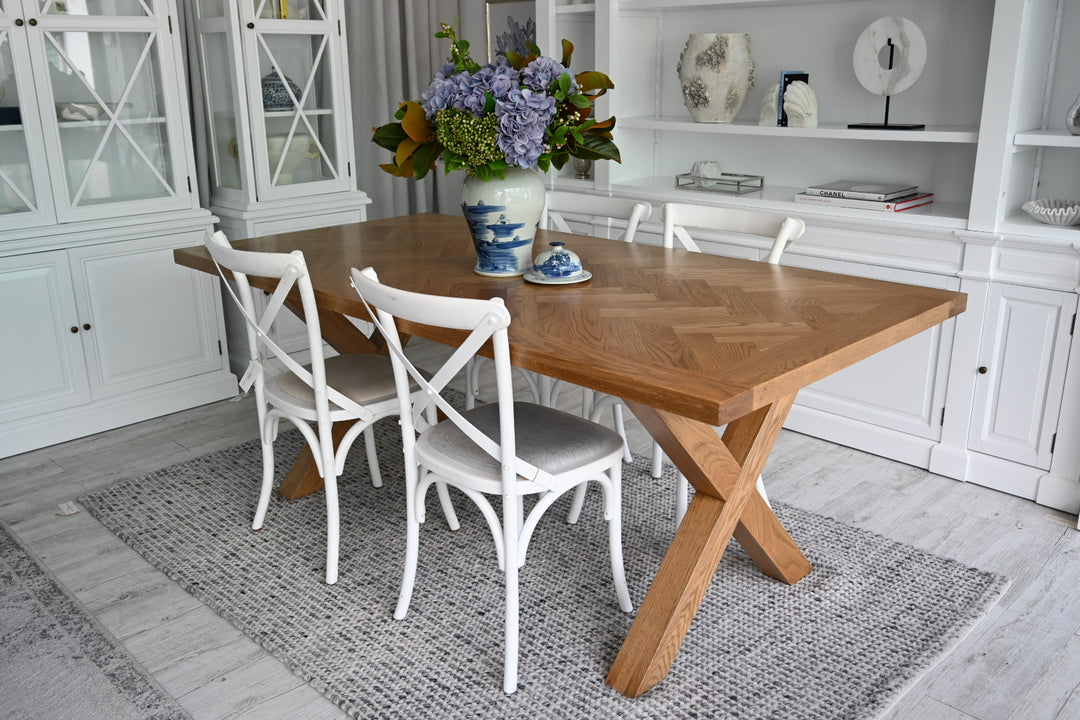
{"type": "Point", "coordinates": [706, 337]}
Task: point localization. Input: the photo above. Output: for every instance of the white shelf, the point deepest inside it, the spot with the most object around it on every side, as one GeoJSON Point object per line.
{"type": "Point", "coordinates": [779, 198]}
{"type": "Point", "coordinates": [579, 9]}
{"type": "Point", "coordinates": [1046, 138]}
{"type": "Point", "coordinates": [694, 4]}
{"type": "Point", "coordinates": [957, 135]}
{"type": "Point", "coordinates": [69, 124]}
{"type": "Point", "coordinates": [1023, 224]}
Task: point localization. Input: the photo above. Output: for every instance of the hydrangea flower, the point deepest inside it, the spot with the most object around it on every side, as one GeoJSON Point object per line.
{"type": "Point", "coordinates": [496, 79]}
{"type": "Point", "coordinates": [523, 119]}
{"type": "Point", "coordinates": [541, 72]}
{"type": "Point", "coordinates": [440, 93]}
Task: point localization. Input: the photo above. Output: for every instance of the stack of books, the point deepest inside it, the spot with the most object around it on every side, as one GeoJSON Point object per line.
{"type": "Point", "coordinates": [866, 196]}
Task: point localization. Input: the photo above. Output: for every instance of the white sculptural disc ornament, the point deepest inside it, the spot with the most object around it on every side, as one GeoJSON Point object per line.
{"type": "Point", "coordinates": [715, 72]}
{"type": "Point", "coordinates": [872, 51]}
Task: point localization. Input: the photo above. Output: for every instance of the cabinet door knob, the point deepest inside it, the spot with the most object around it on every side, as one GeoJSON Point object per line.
{"type": "Point", "coordinates": [983, 369]}
{"type": "Point", "coordinates": [251, 26]}
{"type": "Point", "coordinates": [74, 329]}
{"type": "Point", "coordinates": [18, 22]}
{"type": "Point", "coordinates": [33, 22]}
{"type": "Point", "coordinates": [86, 326]}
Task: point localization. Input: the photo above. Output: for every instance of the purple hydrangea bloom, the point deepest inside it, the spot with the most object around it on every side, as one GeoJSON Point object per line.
{"type": "Point", "coordinates": [441, 93]}
{"type": "Point", "coordinates": [541, 72]}
{"type": "Point", "coordinates": [523, 119]}
{"type": "Point", "coordinates": [498, 79]}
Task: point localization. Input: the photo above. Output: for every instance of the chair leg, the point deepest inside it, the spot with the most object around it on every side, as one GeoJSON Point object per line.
{"type": "Point", "coordinates": [511, 532]}
{"type": "Point", "coordinates": [761, 490]}
{"type": "Point", "coordinates": [372, 457]}
{"type": "Point", "coordinates": [682, 498]}
{"type": "Point", "coordinates": [267, 485]}
{"type": "Point", "coordinates": [577, 503]}
{"type": "Point", "coordinates": [617, 417]}
{"type": "Point", "coordinates": [472, 383]}
{"type": "Point", "coordinates": [613, 513]}
{"type": "Point", "coordinates": [412, 548]}
{"type": "Point", "coordinates": [332, 525]}
{"type": "Point", "coordinates": [447, 507]}
{"type": "Point", "coordinates": [657, 461]}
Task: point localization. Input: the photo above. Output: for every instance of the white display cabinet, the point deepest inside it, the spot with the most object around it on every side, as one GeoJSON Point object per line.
{"type": "Point", "coordinates": [983, 397]}
{"type": "Point", "coordinates": [278, 126]}
{"type": "Point", "coordinates": [276, 114]}
{"type": "Point", "coordinates": [95, 191]}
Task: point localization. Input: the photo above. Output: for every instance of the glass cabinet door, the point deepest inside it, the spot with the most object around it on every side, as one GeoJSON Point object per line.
{"type": "Point", "coordinates": [295, 99]}
{"type": "Point", "coordinates": [107, 96]}
{"type": "Point", "coordinates": [25, 196]}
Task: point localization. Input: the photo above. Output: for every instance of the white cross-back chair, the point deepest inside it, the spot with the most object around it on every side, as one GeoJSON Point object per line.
{"type": "Point", "coordinates": [356, 388]}
{"type": "Point", "coordinates": [505, 449]}
{"type": "Point", "coordinates": [560, 210]}
{"type": "Point", "coordinates": [778, 230]}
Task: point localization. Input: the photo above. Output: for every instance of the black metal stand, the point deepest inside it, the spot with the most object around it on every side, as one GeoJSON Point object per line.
{"type": "Point", "coordinates": [886, 125]}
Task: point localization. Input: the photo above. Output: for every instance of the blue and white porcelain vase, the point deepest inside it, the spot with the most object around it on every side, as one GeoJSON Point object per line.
{"type": "Point", "coordinates": [503, 215]}
{"type": "Point", "coordinates": [275, 96]}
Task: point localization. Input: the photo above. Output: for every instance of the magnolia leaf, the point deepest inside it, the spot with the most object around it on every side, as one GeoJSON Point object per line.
{"type": "Point", "coordinates": [425, 156]}
{"type": "Point", "coordinates": [404, 171]}
{"type": "Point", "coordinates": [594, 80]}
{"type": "Point", "coordinates": [579, 101]}
{"type": "Point", "coordinates": [596, 147]}
{"type": "Point", "coordinates": [567, 51]}
{"type": "Point", "coordinates": [603, 125]}
{"type": "Point", "coordinates": [516, 61]}
{"type": "Point", "coordinates": [543, 162]}
{"type": "Point", "coordinates": [415, 122]}
{"type": "Point", "coordinates": [389, 136]}
{"type": "Point", "coordinates": [405, 150]}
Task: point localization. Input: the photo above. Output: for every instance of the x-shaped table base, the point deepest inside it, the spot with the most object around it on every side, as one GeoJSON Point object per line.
{"type": "Point", "coordinates": [724, 472]}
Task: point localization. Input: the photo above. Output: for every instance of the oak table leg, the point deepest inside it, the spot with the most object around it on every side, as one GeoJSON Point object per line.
{"type": "Point", "coordinates": [303, 478]}
{"type": "Point", "coordinates": [724, 472]}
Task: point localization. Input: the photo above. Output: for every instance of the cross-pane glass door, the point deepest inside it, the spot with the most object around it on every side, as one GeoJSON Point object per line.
{"type": "Point", "coordinates": [295, 108]}
{"type": "Point", "coordinates": [111, 116]}
{"type": "Point", "coordinates": [24, 196]}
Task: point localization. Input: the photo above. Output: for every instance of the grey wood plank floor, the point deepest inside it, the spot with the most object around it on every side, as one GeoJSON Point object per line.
{"type": "Point", "coordinates": [1021, 663]}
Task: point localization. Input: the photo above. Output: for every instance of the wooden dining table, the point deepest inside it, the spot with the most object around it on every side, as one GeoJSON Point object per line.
{"type": "Point", "coordinates": [689, 341]}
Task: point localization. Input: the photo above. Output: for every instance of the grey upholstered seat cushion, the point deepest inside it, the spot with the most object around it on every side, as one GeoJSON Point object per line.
{"type": "Point", "coordinates": [550, 439]}
{"type": "Point", "coordinates": [363, 378]}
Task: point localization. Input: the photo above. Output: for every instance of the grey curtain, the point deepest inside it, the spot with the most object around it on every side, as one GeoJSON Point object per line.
{"type": "Point", "coordinates": [392, 56]}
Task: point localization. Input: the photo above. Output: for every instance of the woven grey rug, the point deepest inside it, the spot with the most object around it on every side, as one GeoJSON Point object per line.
{"type": "Point", "coordinates": [56, 661]}
{"type": "Point", "coordinates": [842, 643]}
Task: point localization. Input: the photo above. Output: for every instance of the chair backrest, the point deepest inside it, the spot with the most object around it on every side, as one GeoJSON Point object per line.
{"type": "Point", "coordinates": [485, 320]}
{"type": "Point", "coordinates": [291, 271]}
{"type": "Point", "coordinates": [780, 229]}
{"type": "Point", "coordinates": [577, 206]}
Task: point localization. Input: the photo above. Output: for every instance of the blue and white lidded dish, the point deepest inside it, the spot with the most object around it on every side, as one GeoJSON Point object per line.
{"type": "Point", "coordinates": [557, 263]}
{"type": "Point", "coordinates": [275, 96]}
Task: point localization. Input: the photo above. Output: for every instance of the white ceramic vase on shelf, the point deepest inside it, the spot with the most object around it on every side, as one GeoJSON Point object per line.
{"type": "Point", "coordinates": [1072, 118]}
{"type": "Point", "coordinates": [503, 214]}
{"type": "Point", "coordinates": [715, 73]}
